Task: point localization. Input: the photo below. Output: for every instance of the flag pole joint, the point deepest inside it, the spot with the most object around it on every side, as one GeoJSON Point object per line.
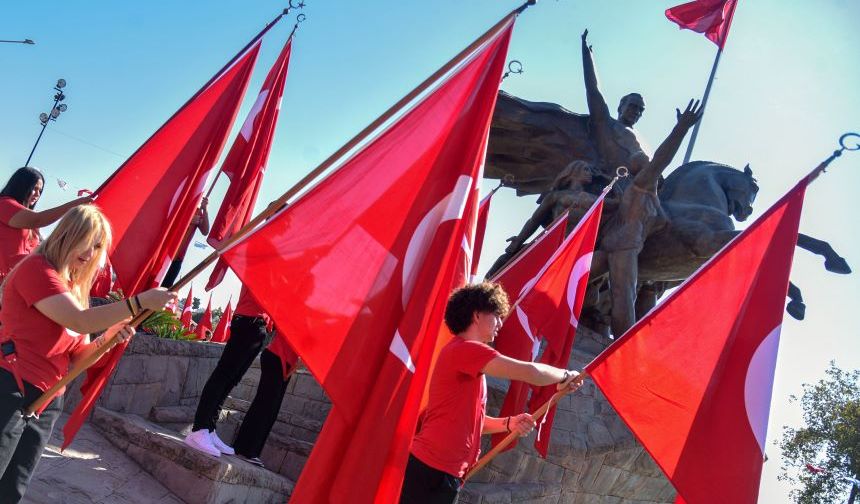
{"type": "Point", "coordinates": [514, 67]}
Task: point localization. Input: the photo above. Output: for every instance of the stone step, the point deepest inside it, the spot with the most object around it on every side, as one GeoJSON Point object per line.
{"type": "Point", "coordinates": [505, 493]}
{"type": "Point", "coordinates": [286, 450]}
{"type": "Point", "coordinates": [192, 476]}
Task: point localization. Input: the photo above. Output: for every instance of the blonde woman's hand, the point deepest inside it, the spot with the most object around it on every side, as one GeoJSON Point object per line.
{"type": "Point", "coordinates": [155, 299]}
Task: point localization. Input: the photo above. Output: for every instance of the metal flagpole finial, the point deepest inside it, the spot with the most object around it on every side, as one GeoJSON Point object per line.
{"type": "Point", "coordinates": [514, 67]}
{"type": "Point", "coordinates": [844, 145]}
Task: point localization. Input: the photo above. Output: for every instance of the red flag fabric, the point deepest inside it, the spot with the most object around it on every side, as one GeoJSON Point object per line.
{"type": "Point", "coordinates": [693, 378]}
{"type": "Point", "coordinates": [356, 266]}
{"type": "Point", "coordinates": [478, 234]}
{"type": "Point", "coordinates": [222, 330]}
{"type": "Point", "coordinates": [288, 357]}
{"type": "Point", "coordinates": [713, 18]}
{"type": "Point", "coordinates": [205, 323]}
{"type": "Point", "coordinates": [553, 306]}
{"type": "Point", "coordinates": [515, 338]}
{"type": "Point", "coordinates": [245, 164]}
{"type": "Point", "coordinates": [151, 199]}
{"type": "Point", "coordinates": [186, 309]}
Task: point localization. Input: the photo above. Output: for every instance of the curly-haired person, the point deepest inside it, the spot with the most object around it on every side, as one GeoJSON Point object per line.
{"type": "Point", "coordinates": [448, 440]}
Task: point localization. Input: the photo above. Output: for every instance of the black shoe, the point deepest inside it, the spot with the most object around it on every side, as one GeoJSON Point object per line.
{"type": "Point", "coordinates": [252, 460]}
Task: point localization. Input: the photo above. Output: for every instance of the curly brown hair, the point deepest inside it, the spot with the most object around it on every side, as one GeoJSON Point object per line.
{"type": "Point", "coordinates": [485, 297]}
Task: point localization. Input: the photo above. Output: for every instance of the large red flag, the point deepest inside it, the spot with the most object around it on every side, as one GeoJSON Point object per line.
{"type": "Point", "coordinates": [185, 318]}
{"type": "Point", "coordinates": [151, 199]}
{"type": "Point", "coordinates": [205, 323]}
{"type": "Point", "coordinates": [245, 164]}
{"type": "Point", "coordinates": [515, 338]}
{"type": "Point", "coordinates": [693, 378]}
{"type": "Point", "coordinates": [711, 17]}
{"type": "Point", "coordinates": [222, 331]}
{"type": "Point", "coordinates": [357, 264]}
{"type": "Point", "coordinates": [554, 304]}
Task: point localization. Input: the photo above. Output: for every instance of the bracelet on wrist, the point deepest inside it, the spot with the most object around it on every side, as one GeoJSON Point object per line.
{"type": "Point", "coordinates": [508, 424]}
{"type": "Point", "coordinates": [130, 307]}
{"type": "Point", "coordinates": [137, 302]}
{"type": "Point", "coordinates": [566, 376]}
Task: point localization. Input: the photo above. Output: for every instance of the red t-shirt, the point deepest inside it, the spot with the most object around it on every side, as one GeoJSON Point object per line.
{"type": "Point", "coordinates": [14, 243]}
{"type": "Point", "coordinates": [248, 306]}
{"type": "Point", "coordinates": [450, 435]}
{"type": "Point", "coordinates": [42, 346]}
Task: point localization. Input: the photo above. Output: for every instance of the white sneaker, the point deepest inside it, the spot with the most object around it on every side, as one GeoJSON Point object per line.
{"type": "Point", "coordinates": [201, 441]}
{"type": "Point", "coordinates": [221, 445]}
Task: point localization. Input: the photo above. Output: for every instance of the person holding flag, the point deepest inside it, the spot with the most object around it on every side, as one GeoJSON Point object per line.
{"type": "Point", "coordinates": [45, 320]}
{"type": "Point", "coordinates": [251, 332]}
{"type": "Point", "coordinates": [200, 222]}
{"type": "Point", "coordinates": [19, 223]}
{"type": "Point", "coordinates": [448, 437]}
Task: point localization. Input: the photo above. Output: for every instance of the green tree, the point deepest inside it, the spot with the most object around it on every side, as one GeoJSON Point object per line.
{"type": "Point", "coordinates": [195, 304]}
{"type": "Point", "coordinates": [830, 440]}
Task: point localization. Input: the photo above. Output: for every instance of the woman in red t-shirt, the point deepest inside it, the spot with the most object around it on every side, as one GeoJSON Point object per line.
{"type": "Point", "coordinates": [19, 224]}
{"type": "Point", "coordinates": [45, 320]}
{"type": "Point", "coordinates": [448, 441]}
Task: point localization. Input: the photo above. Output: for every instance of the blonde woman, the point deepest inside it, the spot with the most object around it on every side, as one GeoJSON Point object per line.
{"type": "Point", "coordinates": [45, 320]}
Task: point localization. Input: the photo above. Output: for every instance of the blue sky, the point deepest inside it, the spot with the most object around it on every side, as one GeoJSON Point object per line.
{"type": "Point", "coordinates": [788, 86]}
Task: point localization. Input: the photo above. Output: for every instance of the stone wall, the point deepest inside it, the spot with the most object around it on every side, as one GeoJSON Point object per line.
{"type": "Point", "coordinates": [155, 372]}
{"type": "Point", "coordinates": [593, 457]}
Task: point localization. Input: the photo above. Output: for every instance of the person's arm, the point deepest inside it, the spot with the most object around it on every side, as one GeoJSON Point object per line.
{"type": "Point", "coordinates": [541, 215]}
{"type": "Point", "coordinates": [648, 177]}
{"type": "Point", "coordinates": [597, 108]}
{"type": "Point", "coordinates": [28, 219]}
{"type": "Point", "coordinates": [203, 222]}
{"type": "Point", "coordinates": [522, 424]}
{"type": "Point", "coordinates": [534, 373]}
{"type": "Point", "coordinates": [122, 330]}
{"type": "Point", "coordinates": [65, 310]}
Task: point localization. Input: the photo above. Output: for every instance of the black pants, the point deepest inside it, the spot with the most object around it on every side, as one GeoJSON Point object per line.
{"type": "Point", "coordinates": [172, 273]}
{"type": "Point", "coordinates": [423, 484]}
{"type": "Point", "coordinates": [263, 411]}
{"type": "Point", "coordinates": [248, 336]}
{"type": "Point", "coordinates": [22, 440]}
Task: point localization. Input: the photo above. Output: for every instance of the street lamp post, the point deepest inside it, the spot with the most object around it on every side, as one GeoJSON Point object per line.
{"type": "Point", "coordinates": [45, 118]}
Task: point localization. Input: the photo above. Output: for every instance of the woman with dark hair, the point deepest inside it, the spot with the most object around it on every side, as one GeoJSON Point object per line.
{"type": "Point", "coordinates": [19, 224]}
{"type": "Point", "coordinates": [45, 322]}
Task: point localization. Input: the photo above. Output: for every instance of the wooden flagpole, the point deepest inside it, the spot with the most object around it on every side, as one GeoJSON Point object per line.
{"type": "Point", "coordinates": [279, 203]}
{"type": "Point", "coordinates": [540, 412]}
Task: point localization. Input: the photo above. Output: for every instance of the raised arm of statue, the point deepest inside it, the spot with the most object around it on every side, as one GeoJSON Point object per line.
{"type": "Point", "coordinates": [597, 108]}
{"type": "Point", "coordinates": [648, 176]}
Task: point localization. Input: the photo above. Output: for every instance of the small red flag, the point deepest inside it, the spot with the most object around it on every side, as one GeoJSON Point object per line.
{"type": "Point", "coordinates": [222, 331]}
{"type": "Point", "coordinates": [151, 199]}
{"type": "Point", "coordinates": [711, 17]}
{"type": "Point", "coordinates": [205, 323]}
{"type": "Point", "coordinates": [515, 338]}
{"type": "Point", "coordinates": [386, 226]}
{"type": "Point", "coordinates": [480, 229]}
{"type": "Point", "coordinates": [693, 378]}
{"type": "Point", "coordinates": [186, 309]}
{"type": "Point", "coordinates": [245, 164]}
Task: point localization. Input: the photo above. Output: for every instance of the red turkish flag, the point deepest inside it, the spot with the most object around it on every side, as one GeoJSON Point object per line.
{"type": "Point", "coordinates": [553, 306]}
{"type": "Point", "coordinates": [151, 199]}
{"type": "Point", "coordinates": [358, 263]}
{"type": "Point", "coordinates": [710, 17]}
{"type": "Point", "coordinates": [693, 378]}
{"type": "Point", "coordinates": [185, 318]}
{"type": "Point", "coordinates": [245, 164]}
{"type": "Point", "coordinates": [205, 323]}
{"type": "Point", "coordinates": [222, 330]}
{"type": "Point", "coordinates": [515, 338]}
